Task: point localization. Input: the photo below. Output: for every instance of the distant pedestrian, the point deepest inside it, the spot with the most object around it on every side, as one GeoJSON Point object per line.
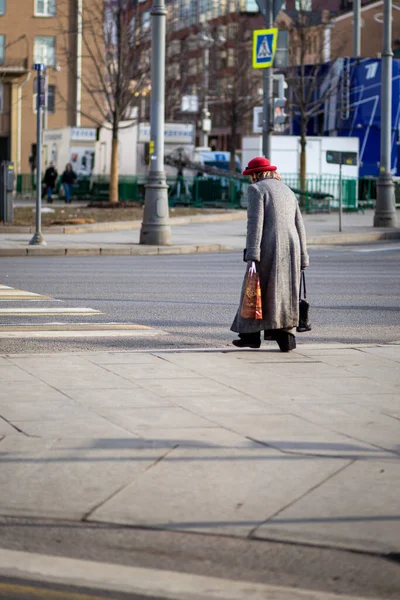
{"type": "Point", "coordinates": [50, 179]}
{"type": "Point", "coordinates": [276, 243]}
{"type": "Point", "coordinates": [68, 179]}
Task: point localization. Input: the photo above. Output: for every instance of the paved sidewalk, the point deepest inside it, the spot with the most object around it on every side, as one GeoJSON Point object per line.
{"type": "Point", "coordinates": [303, 447]}
{"type": "Point", "coordinates": [202, 233]}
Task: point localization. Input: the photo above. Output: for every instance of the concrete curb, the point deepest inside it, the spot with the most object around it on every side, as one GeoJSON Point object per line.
{"type": "Point", "coordinates": [143, 583]}
{"type": "Point", "coordinates": [344, 239]}
{"type": "Point", "coordinates": [353, 238]}
{"type": "Point", "coordinates": [122, 250]}
{"type": "Point", "coordinates": [126, 225]}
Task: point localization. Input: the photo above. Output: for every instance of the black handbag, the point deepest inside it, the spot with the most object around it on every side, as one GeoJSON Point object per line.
{"type": "Point", "coordinates": [304, 308]}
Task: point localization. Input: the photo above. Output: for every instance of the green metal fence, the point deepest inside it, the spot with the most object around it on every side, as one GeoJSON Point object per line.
{"type": "Point", "coordinates": [321, 192]}
{"type": "Point", "coordinates": [128, 190]}
{"type": "Point", "coordinates": [26, 183]}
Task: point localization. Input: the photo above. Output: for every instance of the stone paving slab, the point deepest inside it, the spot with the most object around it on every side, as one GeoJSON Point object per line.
{"type": "Point", "coordinates": [68, 477]}
{"type": "Point", "coordinates": [216, 491]}
{"type": "Point", "coordinates": [304, 445]}
{"type": "Point", "coordinates": [358, 509]}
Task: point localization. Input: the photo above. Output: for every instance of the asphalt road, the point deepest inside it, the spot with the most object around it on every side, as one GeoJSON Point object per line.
{"type": "Point", "coordinates": [354, 294]}
{"type": "Point", "coordinates": [273, 563]}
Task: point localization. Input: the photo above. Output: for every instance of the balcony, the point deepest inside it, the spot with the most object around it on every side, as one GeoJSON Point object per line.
{"type": "Point", "coordinates": [14, 66]}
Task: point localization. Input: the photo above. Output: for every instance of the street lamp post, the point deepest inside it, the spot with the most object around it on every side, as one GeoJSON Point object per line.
{"type": "Point", "coordinates": [357, 29]}
{"type": "Point", "coordinates": [207, 41]}
{"type": "Point", "coordinates": [206, 121]}
{"type": "Point", "coordinates": [37, 238]}
{"type": "Point", "coordinates": [385, 210]}
{"type": "Point", "coordinates": [155, 226]}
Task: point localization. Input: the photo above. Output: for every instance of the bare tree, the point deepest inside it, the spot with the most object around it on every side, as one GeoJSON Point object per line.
{"type": "Point", "coordinates": [310, 77]}
{"type": "Point", "coordinates": [237, 91]}
{"type": "Point", "coordinates": [114, 75]}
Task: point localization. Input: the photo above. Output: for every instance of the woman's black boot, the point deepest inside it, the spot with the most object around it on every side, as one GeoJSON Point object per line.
{"type": "Point", "coordinates": [286, 341]}
{"type": "Point", "coordinates": [248, 340]}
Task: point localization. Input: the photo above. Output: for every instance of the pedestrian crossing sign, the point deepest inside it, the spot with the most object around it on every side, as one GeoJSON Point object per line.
{"type": "Point", "coordinates": [264, 47]}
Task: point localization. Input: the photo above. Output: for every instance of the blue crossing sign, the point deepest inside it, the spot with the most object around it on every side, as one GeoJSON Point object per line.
{"type": "Point", "coordinates": [264, 47]}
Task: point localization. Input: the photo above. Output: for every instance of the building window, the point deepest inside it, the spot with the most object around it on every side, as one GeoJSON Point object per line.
{"type": "Point", "coordinates": [51, 99]}
{"type": "Point", "coordinates": [2, 48]}
{"type": "Point", "coordinates": [2, 7]}
{"type": "Point", "coordinates": [249, 6]}
{"type": "Point", "coordinates": [146, 20]}
{"type": "Point", "coordinates": [45, 8]}
{"type": "Point", "coordinates": [45, 50]}
{"type": "Point", "coordinates": [303, 5]}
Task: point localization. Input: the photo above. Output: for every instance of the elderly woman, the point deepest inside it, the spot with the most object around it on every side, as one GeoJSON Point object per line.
{"type": "Point", "coordinates": [276, 242]}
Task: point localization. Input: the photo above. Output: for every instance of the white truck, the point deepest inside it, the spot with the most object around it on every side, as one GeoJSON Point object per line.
{"type": "Point", "coordinates": [285, 153]}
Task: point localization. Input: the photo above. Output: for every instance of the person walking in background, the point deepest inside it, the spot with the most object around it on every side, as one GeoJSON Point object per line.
{"type": "Point", "coordinates": [276, 243]}
{"type": "Point", "coordinates": [50, 179]}
{"type": "Point", "coordinates": [68, 178]}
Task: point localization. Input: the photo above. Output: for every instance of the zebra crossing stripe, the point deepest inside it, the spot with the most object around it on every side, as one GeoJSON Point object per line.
{"type": "Point", "coordinates": [78, 330]}
{"type": "Point", "coordinates": [41, 312]}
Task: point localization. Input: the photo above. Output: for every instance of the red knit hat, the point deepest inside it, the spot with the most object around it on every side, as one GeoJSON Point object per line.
{"type": "Point", "coordinates": [258, 164]}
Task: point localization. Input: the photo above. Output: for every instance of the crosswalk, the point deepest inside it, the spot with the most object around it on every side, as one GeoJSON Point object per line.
{"type": "Point", "coordinates": [37, 328]}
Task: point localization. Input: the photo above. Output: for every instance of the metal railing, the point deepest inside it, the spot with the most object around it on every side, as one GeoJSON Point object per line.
{"type": "Point", "coordinates": [319, 193]}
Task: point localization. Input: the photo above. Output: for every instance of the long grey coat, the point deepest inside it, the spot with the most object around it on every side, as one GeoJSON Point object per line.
{"type": "Point", "coordinates": [276, 240]}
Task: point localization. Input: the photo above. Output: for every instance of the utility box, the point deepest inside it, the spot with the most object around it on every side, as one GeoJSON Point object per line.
{"type": "Point", "coordinates": [7, 181]}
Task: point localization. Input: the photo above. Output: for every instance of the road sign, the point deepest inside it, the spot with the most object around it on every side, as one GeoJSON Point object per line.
{"type": "Point", "coordinates": [335, 157]}
{"type": "Point", "coordinates": [276, 7]}
{"type": "Point", "coordinates": [264, 47]}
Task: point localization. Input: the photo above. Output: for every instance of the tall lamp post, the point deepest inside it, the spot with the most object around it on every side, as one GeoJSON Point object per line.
{"type": "Point", "coordinates": [207, 41]}
{"type": "Point", "coordinates": [385, 210]}
{"type": "Point", "coordinates": [38, 238]}
{"type": "Point", "coordinates": [155, 226]}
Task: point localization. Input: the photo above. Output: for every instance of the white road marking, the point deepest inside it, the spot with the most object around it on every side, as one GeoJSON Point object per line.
{"type": "Point", "coordinates": [85, 333]}
{"type": "Point", "coordinates": [48, 311]}
{"type": "Point", "coordinates": [385, 249]}
{"type": "Point", "coordinates": [8, 293]}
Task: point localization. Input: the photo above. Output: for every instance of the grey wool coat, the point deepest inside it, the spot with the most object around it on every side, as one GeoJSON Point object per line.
{"type": "Point", "coordinates": [276, 240]}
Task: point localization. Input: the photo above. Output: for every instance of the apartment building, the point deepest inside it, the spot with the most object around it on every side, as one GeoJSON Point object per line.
{"type": "Point", "coordinates": [39, 31]}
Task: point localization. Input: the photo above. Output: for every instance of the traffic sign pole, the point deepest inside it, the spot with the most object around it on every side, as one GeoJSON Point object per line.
{"type": "Point", "coordinates": [336, 157]}
{"type": "Point", "coordinates": [340, 194]}
{"type": "Point", "coordinates": [37, 238]}
{"type": "Point", "coordinates": [269, 9]}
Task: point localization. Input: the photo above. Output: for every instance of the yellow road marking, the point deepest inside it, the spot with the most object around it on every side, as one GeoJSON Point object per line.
{"type": "Point", "coordinates": [40, 592]}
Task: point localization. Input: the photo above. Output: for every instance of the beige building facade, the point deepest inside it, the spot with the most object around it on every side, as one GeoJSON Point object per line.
{"type": "Point", "coordinates": [39, 31]}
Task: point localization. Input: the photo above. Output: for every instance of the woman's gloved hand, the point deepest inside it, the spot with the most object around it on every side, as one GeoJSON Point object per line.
{"type": "Point", "coordinates": [251, 266]}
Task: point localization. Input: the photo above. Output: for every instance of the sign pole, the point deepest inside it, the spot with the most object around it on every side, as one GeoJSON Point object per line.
{"type": "Point", "coordinates": [267, 84]}
{"type": "Point", "coordinates": [340, 194]}
{"type": "Point", "coordinates": [37, 238]}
